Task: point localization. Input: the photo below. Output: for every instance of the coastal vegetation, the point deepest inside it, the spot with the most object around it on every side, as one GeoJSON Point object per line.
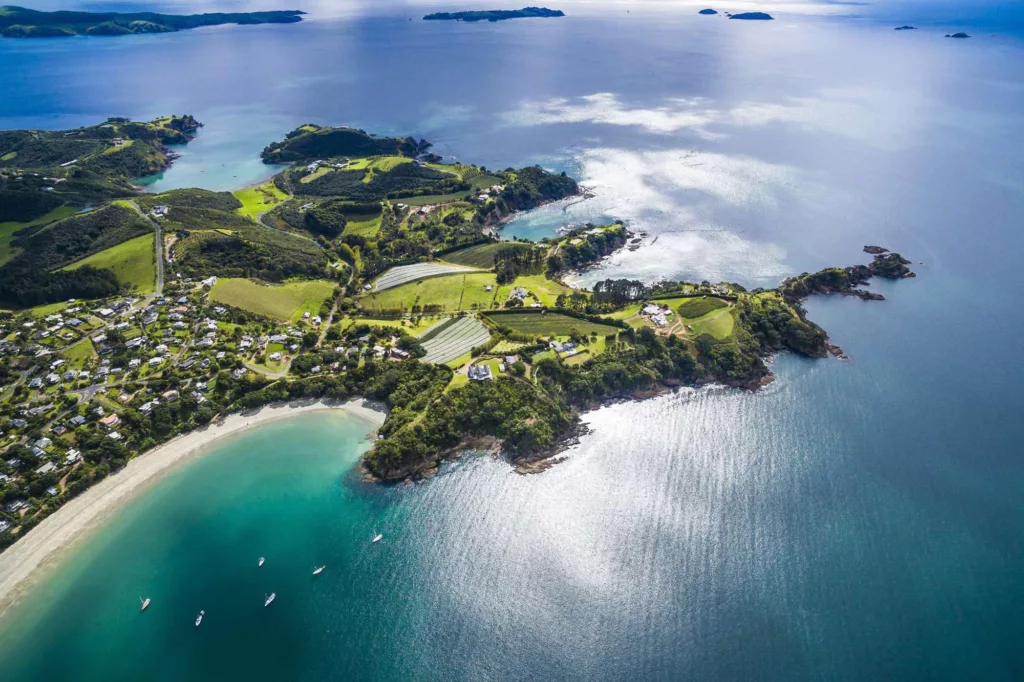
{"type": "Point", "coordinates": [18, 22]}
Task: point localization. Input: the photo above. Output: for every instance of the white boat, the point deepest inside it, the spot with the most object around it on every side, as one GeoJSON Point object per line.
{"type": "Point", "coordinates": [199, 619]}
{"type": "Point", "coordinates": [318, 571]}
{"type": "Point", "coordinates": [270, 599]}
{"type": "Point", "coordinates": [377, 538]}
{"type": "Point", "coordinates": [145, 603]}
{"type": "Point", "coordinates": [261, 562]}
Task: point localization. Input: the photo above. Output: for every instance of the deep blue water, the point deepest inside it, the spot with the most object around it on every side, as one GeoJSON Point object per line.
{"type": "Point", "coordinates": [856, 520]}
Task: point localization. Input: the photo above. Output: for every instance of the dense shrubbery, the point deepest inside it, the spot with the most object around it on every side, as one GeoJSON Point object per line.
{"type": "Point", "coordinates": [311, 142]}
{"type": "Point", "coordinates": [518, 259]}
{"type": "Point", "coordinates": [23, 205]}
{"type": "Point", "coordinates": [29, 279]}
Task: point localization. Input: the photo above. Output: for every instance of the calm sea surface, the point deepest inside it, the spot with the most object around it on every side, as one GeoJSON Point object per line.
{"type": "Point", "coordinates": [857, 520]}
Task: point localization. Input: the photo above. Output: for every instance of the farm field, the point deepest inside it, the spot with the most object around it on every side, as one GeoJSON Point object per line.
{"type": "Point", "coordinates": [479, 256]}
{"type": "Point", "coordinates": [280, 301]}
{"type": "Point", "coordinates": [8, 229]}
{"type": "Point", "coordinates": [451, 292]}
{"type": "Point", "coordinates": [410, 273]}
{"type": "Point", "coordinates": [455, 339]}
{"type": "Point", "coordinates": [133, 262]}
{"type": "Point", "coordinates": [551, 324]}
{"type": "Point", "coordinates": [256, 200]}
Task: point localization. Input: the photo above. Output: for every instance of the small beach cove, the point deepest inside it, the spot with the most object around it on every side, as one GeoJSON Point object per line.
{"type": "Point", "coordinates": [46, 546]}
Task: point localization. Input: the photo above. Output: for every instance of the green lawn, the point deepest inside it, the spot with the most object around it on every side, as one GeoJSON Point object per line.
{"type": "Point", "coordinates": [48, 309]}
{"type": "Point", "coordinates": [545, 289]}
{"type": "Point", "coordinates": [78, 354]}
{"type": "Point", "coordinates": [479, 256]}
{"type": "Point", "coordinates": [133, 261]}
{"type": "Point", "coordinates": [281, 301]}
{"type": "Point", "coordinates": [7, 230]}
{"type": "Point", "coordinates": [550, 324]}
{"type": "Point", "coordinates": [692, 308]}
{"type": "Point", "coordinates": [363, 225]}
{"type": "Point", "coordinates": [718, 324]}
{"type": "Point", "coordinates": [453, 292]}
{"type": "Point", "coordinates": [256, 200]}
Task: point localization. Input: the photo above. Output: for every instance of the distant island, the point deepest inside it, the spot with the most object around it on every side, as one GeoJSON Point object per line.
{"type": "Point", "coordinates": [958, 35]}
{"type": "Point", "coordinates": [496, 15]}
{"type": "Point", "coordinates": [752, 16]}
{"type": "Point", "coordinates": [707, 11]}
{"type": "Point", "coordinates": [906, 28]}
{"type": "Point", "coordinates": [19, 22]}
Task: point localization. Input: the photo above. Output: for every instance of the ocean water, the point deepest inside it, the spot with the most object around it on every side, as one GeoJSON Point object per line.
{"type": "Point", "coordinates": [855, 520]}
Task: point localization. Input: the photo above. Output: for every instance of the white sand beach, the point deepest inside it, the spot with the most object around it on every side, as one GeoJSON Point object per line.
{"type": "Point", "coordinates": [22, 562]}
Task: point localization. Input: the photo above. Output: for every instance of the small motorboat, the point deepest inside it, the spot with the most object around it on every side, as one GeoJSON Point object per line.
{"type": "Point", "coordinates": [199, 618]}
{"type": "Point", "coordinates": [377, 538]}
{"type": "Point", "coordinates": [145, 603]}
{"type": "Point", "coordinates": [261, 562]}
{"type": "Point", "coordinates": [269, 599]}
{"type": "Point", "coordinates": [318, 571]}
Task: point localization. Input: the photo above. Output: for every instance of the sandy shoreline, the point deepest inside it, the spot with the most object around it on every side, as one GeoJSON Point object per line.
{"type": "Point", "coordinates": [43, 545]}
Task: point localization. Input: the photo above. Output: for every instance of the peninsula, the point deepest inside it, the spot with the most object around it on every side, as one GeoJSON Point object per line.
{"type": "Point", "coordinates": [19, 22]}
{"type": "Point", "coordinates": [496, 15]}
{"type": "Point", "coordinates": [367, 268]}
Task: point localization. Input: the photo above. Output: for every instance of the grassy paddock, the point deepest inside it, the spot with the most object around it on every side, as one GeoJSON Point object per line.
{"type": "Point", "coordinates": [256, 200]}
{"type": "Point", "coordinates": [452, 292]}
{"type": "Point", "coordinates": [698, 307]}
{"type": "Point", "coordinates": [133, 262]}
{"type": "Point", "coordinates": [479, 256]}
{"type": "Point", "coordinates": [280, 301]}
{"type": "Point", "coordinates": [551, 324]}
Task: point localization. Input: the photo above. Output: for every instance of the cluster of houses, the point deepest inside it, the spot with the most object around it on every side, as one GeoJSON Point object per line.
{"type": "Point", "coordinates": [657, 314]}
{"type": "Point", "coordinates": [492, 191]}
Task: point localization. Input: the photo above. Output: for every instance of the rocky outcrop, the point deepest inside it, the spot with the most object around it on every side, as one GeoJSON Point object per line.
{"type": "Point", "coordinates": [875, 250]}
{"type": "Point", "coordinates": [708, 11]}
{"type": "Point", "coordinates": [752, 16]}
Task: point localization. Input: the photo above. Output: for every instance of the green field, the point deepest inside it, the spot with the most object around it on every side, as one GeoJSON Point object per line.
{"type": "Point", "coordinates": [256, 200]}
{"type": "Point", "coordinates": [479, 256]}
{"type": "Point", "coordinates": [7, 230]}
{"type": "Point", "coordinates": [363, 225]}
{"type": "Point", "coordinates": [551, 324]}
{"type": "Point", "coordinates": [692, 308]}
{"type": "Point", "coordinates": [545, 289]}
{"type": "Point", "coordinates": [414, 327]}
{"type": "Point", "coordinates": [453, 292]}
{"type": "Point", "coordinates": [133, 261]}
{"type": "Point", "coordinates": [280, 301]}
{"type": "Point", "coordinates": [718, 324]}
{"type": "Point", "coordinates": [78, 354]}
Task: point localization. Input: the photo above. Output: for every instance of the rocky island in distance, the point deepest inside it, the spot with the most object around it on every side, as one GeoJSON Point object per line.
{"type": "Point", "coordinates": [19, 22]}
{"type": "Point", "coordinates": [496, 15]}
